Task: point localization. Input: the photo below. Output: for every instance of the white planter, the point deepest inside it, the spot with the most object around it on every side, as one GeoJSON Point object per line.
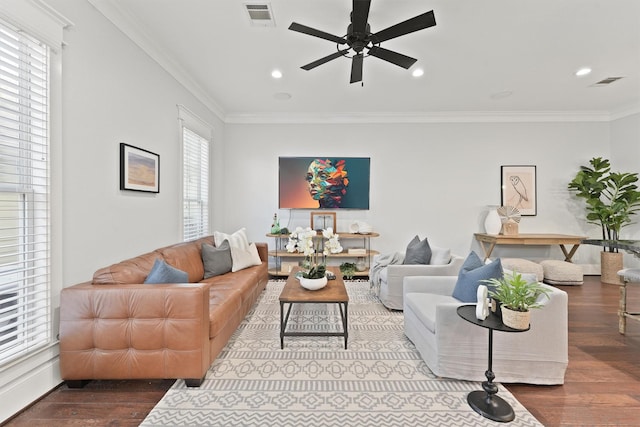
{"type": "Point", "coordinates": [515, 319]}
{"type": "Point", "coordinates": [313, 284]}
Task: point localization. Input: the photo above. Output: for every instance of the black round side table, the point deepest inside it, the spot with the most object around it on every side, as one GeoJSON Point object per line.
{"type": "Point", "coordinates": [485, 402]}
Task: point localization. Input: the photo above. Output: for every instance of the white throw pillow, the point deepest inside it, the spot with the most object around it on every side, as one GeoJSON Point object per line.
{"type": "Point", "coordinates": [237, 239]}
{"type": "Point", "coordinates": [243, 258]}
{"type": "Point", "coordinates": [440, 256]}
{"type": "Point", "coordinates": [243, 254]}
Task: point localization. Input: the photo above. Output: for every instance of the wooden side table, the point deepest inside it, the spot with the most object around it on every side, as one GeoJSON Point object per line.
{"type": "Point", "coordinates": [485, 402]}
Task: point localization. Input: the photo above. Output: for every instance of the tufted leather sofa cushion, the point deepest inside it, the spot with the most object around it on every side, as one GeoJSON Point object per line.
{"type": "Point", "coordinates": [134, 331]}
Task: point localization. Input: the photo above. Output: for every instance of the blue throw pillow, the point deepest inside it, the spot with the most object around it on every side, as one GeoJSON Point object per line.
{"type": "Point", "coordinates": [161, 272]}
{"type": "Point", "coordinates": [471, 274]}
{"type": "Point", "coordinates": [418, 252]}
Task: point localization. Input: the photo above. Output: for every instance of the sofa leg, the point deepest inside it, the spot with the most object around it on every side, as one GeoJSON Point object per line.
{"type": "Point", "coordinates": [77, 383]}
{"type": "Point", "coordinates": [191, 382]}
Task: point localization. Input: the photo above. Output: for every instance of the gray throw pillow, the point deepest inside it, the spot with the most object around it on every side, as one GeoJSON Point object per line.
{"type": "Point", "coordinates": [216, 259]}
{"type": "Point", "coordinates": [161, 272]}
{"type": "Point", "coordinates": [471, 274]}
{"type": "Point", "coordinates": [418, 252]}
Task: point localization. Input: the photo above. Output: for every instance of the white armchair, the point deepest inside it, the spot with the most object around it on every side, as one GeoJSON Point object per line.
{"type": "Point", "coordinates": [392, 275]}
{"type": "Point", "coordinates": [455, 348]}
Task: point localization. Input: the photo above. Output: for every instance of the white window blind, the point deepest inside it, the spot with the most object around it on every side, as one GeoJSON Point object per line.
{"type": "Point", "coordinates": [24, 194]}
{"type": "Point", "coordinates": [196, 185]}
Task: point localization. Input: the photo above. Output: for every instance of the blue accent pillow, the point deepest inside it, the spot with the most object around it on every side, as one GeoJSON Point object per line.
{"type": "Point", "coordinates": [418, 252]}
{"type": "Point", "coordinates": [161, 272]}
{"type": "Point", "coordinates": [471, 273]}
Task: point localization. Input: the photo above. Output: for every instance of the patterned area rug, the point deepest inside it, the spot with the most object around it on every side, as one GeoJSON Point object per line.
{"type": "Point", "coordinates": [379, 380]}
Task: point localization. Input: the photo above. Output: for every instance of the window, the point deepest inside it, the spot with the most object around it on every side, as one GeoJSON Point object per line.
{"type": "Point", "coordinates": [24, 194]}
{"type": "Point", "coordinates": [195, 196]}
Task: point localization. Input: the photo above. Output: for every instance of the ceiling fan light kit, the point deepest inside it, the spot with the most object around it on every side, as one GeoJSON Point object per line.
{"type": "Point", "coordinates": [361, 42]}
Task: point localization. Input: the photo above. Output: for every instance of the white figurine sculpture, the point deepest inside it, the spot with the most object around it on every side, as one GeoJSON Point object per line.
{"type": "Point", "coordinates": [482, 306]}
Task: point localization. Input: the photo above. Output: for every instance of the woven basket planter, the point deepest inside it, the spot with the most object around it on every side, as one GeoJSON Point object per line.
{"type": "Point", "coordinates": [610, 264]}
{"type": "Point", "coordinates": [515, 319]}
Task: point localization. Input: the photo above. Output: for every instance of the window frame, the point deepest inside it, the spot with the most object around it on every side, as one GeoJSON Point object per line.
{"type": "Point", "coordinates": [189, 122]}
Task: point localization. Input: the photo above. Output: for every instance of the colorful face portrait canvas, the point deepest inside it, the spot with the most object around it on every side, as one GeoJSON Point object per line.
{"type": "Point", "coordinates": [324, 182]}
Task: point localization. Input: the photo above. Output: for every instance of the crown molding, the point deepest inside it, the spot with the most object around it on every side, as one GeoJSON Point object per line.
{"type": "Point", "coordinates": [431, 117]}
{"type": "Point", "coordinates": [132, 28]}
{"type": "Point", "coordinates": [627, 111]}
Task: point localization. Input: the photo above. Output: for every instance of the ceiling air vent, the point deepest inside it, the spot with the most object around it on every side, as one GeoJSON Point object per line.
{"type": "Point", "coordinates": [607, 81]}
{"type": "Point", "coordinates": [260, 14]}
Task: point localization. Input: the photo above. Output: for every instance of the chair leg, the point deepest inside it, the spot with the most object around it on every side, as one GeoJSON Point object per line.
{"type": "Point", "coordinates": [622, 309]}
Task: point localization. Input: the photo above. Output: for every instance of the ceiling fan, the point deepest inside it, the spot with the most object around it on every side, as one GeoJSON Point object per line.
{"type": "Point", "coordinates": [359, 38]}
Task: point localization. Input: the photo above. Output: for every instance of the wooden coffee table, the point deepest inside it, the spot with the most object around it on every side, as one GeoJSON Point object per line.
{"type": "Point", "coordinates": [333, 293]}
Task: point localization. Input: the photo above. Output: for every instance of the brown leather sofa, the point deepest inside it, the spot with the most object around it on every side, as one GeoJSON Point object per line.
{"type": "Point", "coordinates": [116, 327]}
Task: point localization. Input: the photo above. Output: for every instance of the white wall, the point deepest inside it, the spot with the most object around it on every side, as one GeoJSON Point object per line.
{"type": "Point", "coordinates": [430, 179]}
{"type": "Point", "coordinates": [625, 157]}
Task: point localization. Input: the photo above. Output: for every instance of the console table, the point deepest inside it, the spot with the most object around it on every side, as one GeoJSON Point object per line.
{"type": "Point", "coordinates": [485, 402]}
{"type": "Point", "coordinates": [489, 241]}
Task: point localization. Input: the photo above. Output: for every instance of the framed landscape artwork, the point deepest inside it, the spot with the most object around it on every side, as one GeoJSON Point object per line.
{"type": "Point", "coordinates": [139, 169]}
{"type": "Point", "coordinates": [519, 189]}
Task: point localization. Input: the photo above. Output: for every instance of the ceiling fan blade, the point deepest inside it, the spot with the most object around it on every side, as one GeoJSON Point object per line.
{"type": "Point", "coordinates": [360, 15]}
{"type": "Point", "coordinates": [316, 33]}
{"type": "Point", "coordinates": [416, 23]}
{"type": "Point", "coordinates": [396, 58]}
{"type": "Point", "coordinates": [356, 68]}
{"type": "Point", "coordinates": [321, 61]}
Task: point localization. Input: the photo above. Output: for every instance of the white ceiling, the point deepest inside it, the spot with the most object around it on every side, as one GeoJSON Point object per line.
{"type": "Point", "coordinates": [530, 48]}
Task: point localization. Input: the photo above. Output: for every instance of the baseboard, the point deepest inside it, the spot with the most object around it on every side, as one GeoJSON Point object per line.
{"type": "Point", "coordinates": [25, 382]}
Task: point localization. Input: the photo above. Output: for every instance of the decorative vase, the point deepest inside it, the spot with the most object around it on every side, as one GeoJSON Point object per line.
{"type": "Point", "coordinates": [361, 265]}
{"type": "Point", "coordinates": [515, 319]}
{"type": "Point", "coordinates": [313, 284]}
{"type": "Point", "coordinates": [610, 264]}
{"type": "Point", "coordinates": [492, 223]}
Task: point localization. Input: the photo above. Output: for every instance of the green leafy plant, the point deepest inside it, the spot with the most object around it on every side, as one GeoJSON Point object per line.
{"type": "Point", "coordinates": [612, 198]}
{"type": "Point", "coordinates": [315, 272]}
{"type": "Point", "coordinates": [348, 269]}
{"type": "Point", "coordinates": [516, 293]}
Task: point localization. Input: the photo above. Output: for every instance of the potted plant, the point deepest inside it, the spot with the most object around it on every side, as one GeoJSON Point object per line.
{"type": "Point", "coordinates": [517, 297]}
{"type": "Point", "coordinates": [348, 269]}
{"type": "Point", "coordinates": [302, 240]}
{"type": "Point", "coordinates": [612, 198]}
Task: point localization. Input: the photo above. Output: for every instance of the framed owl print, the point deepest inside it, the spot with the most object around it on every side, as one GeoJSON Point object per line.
{"type": "Point", "coordinates": [519, 189]}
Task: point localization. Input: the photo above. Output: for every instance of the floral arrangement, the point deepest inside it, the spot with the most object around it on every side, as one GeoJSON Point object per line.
{"type": "Point", "coordinates": [301, 240]}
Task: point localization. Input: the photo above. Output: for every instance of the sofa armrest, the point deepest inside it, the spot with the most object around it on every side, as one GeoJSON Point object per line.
{"type": "Point", "coordinates": [263, 251]}
{"type": "Point", "coordinates": [546, 340]}
{"type": "Point", "coordinates": [440, 285]}
{"type": "Point", "coordinates": [134, 331]}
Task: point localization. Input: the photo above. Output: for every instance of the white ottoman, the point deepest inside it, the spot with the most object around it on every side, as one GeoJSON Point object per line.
{"type": "Point", "coordinates": [523, 266]}
{"type": "Point", "coordinates": [558, 272]}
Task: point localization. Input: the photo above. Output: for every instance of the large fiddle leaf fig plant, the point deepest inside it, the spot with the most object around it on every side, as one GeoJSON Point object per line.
{"type": "Point", "coordinates": [612, 198]}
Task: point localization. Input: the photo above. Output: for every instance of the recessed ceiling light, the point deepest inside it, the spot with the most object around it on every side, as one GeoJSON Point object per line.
{"type": "Point", "coordinates": [417, 72]}
{"type": "Point", "coordinates": [276, 74]}
{"type": "Point", "coordinates": [583, 71]}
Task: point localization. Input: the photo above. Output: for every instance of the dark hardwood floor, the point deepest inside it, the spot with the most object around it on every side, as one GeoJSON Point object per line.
{"type": "Point", "coordinates": [602, 383]}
